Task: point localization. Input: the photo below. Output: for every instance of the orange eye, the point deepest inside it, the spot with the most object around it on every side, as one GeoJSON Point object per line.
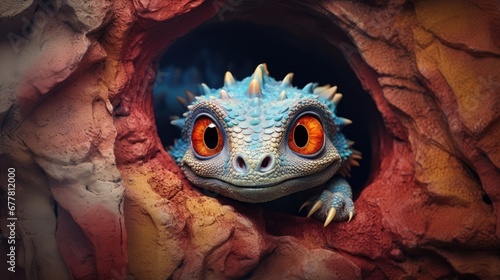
{"type": "Point", "coordinates": [307, 135]}
{"type": "Point", "coordinates": [206, 137]}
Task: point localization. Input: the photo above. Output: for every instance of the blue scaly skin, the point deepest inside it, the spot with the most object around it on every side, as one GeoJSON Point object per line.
{"type": "Point", "coordinates": [259, 139]}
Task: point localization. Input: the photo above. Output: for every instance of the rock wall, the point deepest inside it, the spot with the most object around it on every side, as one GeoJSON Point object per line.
{"type": "Point", "coordinates": [97, 195]}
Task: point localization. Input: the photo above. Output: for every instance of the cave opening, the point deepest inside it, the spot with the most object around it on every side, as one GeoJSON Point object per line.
{"type": "Point", "coordinates": [207, 52]}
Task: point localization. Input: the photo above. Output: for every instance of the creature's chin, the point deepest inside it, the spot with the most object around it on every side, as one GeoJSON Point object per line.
{"type": "Point", "coordinates": [261, 193]}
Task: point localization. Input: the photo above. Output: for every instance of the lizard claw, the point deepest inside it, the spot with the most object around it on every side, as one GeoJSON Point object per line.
{"type": "Point", "coordinates": [329, 207]}
{"type": "Point", "coordinates": [333, 204]}
{"type": "Point", "coordinates": [305, 204]}
{"type": "Point", "coordinates": [317, 205]}
{"type": "Point", "coordinates": [351, 213]}
{"type": "Point", "coordinates": [330, 216]}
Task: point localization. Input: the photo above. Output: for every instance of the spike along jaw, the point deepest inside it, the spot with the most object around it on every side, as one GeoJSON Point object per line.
{"type": "Point", "coordinates": [259, 139]}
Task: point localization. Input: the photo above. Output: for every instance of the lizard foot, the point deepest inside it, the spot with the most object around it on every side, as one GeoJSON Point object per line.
{"type": "Point", "coordinates": [330, 207]}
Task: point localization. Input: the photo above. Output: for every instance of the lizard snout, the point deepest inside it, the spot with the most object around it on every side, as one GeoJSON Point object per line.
{"type": "Point", "coordinates": [262, 164]}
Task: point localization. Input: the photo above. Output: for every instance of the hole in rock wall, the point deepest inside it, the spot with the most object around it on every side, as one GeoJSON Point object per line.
{"type": "Point", "coordinates": [206, 53]}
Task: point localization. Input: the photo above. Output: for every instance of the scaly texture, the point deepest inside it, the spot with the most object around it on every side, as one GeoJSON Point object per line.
{"type": "Point", "coordinates": [260, 139]}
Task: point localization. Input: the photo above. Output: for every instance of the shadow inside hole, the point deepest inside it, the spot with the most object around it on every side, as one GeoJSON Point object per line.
{"type": "Point", "coordinates": [204, 55]}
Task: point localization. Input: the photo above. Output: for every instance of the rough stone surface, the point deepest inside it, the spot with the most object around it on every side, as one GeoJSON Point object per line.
{"type": "Point", "coordinates": [77, 124]}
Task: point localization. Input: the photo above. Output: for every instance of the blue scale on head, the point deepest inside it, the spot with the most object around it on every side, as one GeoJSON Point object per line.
{"type": "Point", "coordinates": [259, 105]}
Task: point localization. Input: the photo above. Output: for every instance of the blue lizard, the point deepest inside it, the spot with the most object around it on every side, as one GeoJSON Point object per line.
{"type": "Point", "coordinates": [259, 139]}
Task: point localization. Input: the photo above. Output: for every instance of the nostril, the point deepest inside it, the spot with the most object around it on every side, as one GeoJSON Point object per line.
{"type": "Point", "coordinates": [267, 163]}
{"type": "Point", "coordinates": [240, 164]}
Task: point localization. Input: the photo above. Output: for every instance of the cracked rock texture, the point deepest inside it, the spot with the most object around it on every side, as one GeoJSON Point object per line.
{"type": "Point", "coordinates": [98, 196]}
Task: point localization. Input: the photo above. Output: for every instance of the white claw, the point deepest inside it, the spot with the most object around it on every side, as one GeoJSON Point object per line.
{"type": "Point", "coordinates": [305, 204]}
{"type": "Point", "coordinates": [350, 216]}
{"type": "Point", "coordinates": [330, 216]}
{"type": "Point", "coordinates": [315, 208]}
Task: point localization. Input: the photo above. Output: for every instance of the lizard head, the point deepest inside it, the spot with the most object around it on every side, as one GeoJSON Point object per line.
{"type": "Point", "coordinates": [259, 139]}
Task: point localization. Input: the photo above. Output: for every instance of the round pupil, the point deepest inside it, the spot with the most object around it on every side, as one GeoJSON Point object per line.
{"type": "Point", "coordinates": [300, 136]}
{"type": "Point", "coordinates": [211, 136]}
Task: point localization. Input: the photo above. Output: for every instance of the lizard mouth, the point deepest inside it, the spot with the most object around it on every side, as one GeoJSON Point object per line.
{"type": "Point", "coordinates": [263, 192]}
